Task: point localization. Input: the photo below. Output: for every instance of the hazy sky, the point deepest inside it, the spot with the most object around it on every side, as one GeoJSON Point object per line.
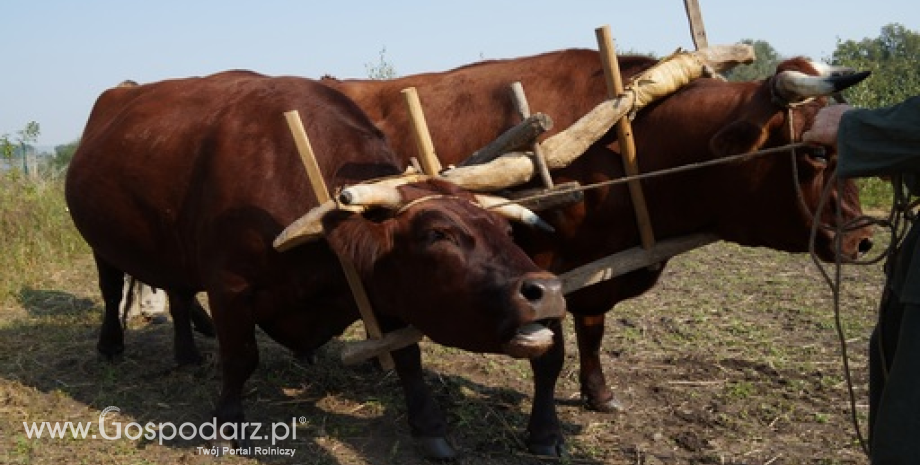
{"type": "Point", "coordinates": [57, 55]}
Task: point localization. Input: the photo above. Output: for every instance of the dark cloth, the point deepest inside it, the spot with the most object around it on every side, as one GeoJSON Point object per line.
{"type": "Point", "coordinates": [881, 142]}
{"type": "Point", "coordinates": [886, 142]}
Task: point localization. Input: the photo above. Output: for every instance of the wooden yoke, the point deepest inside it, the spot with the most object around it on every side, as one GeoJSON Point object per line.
{"type": "Point", "coordinates": [624, 134]}
{"type": "Point", "coordinates": [322, 196]}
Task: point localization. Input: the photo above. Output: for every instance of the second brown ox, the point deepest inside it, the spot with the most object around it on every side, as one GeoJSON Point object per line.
{"type": "Point", "coordinates": [753, 203]}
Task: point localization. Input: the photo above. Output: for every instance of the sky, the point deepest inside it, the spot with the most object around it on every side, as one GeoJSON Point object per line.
{"type": "Point", "coordinates": [59, 55]}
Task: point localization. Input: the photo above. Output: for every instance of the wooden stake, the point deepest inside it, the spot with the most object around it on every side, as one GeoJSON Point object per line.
{"type": "Point", "coordinates": [357, 352]}
{"type": "Point", "coordinates": [624, 133]}
{"type": "Point", "coordinates": [523, 108]}
{"type": "Point", "coordinates": [322, 195]}
{"type": "Point", "coordinates": [308, 157]}
{"type": "Point", "coordinates": [429, 160]}
{"type": "Point", "coordinates": [520, 137]}
{"type": "Point", "coordinates": [697, 31]}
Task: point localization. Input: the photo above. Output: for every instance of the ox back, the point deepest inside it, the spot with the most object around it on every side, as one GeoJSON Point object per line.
{"type": "Point", "coordinates": [185, 184]}
{"type": "Point", "coordinates": [752, 203]}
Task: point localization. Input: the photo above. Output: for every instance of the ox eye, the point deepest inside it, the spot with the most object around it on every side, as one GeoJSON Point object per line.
{"type": "Point", "coordinates": [818, 157]}
{"type": "Point", "coordinates": [437, 235]}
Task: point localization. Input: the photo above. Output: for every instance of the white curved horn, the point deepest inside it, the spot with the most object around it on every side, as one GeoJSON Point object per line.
{"type": "Point", "coordinates": [307, 228]}
{"type": "Point", "coordinates": [796, 85]}
{"type": "Point", "coordinates": [381, 193]}
{"type": "Point", "coordinates": [513, 211]}
{"type": "Point", "coordinates": [371, 195]}
{"type": "Point", "coordinates": [825, 69]}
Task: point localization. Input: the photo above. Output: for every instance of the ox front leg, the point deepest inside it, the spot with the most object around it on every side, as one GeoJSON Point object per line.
{"type": "Point", "coordinates": [239, 356]}
{"type": "Point", "coordinates": [426, 420]}
{"type": "Point", "coordinates": [111, 334]}
{"type": "Point", "coordinates": [181, 306]}
{"type": "Point", "coordinates": [544, 436]}
{"type": "Point", "coordinates": [594, 391]}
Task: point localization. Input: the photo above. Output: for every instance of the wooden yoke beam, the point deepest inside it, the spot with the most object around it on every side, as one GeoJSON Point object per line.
{"type": "Point", "coordinates": [322, 196]}
{"type": "Point", "coordinates": [624, 134]}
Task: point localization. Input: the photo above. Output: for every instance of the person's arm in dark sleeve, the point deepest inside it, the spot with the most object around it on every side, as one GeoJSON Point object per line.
{"type": "Point", "coordinates": [880, 142]}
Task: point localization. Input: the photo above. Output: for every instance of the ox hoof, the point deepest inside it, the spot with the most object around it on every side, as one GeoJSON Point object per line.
{"type": "Point", "coordinates": [611, 405]}
{"type": "Point", "coordinates": [436, 448]}
{"type": "Point", "coordinates": [111, 353]}
{"type": "Point", "coordinates": [556, 449]}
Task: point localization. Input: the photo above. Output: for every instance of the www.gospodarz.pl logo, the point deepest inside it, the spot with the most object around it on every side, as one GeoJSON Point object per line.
{"type": "Point", "coordinates": [167, 431]}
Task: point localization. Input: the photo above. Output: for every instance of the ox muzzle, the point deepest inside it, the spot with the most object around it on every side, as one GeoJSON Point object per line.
{"type": "Point", "coordinates": [541, 295]}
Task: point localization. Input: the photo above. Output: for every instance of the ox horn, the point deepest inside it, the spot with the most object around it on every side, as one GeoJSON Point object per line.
{"type": "Point", "coordinates": [825, 69]}
{"type": "Point", "coordinates": [513, 211]}
{"type": "Point", "coordinates": [355, 198]}
{"type": "Point", "coordinates": [381, 193]}
{"type": "Point", "coordinates": [796, 86]}
{"type": "Point", "coordinates": [307, 228]}
{"type": "Point", "coordinates": [371, 195]}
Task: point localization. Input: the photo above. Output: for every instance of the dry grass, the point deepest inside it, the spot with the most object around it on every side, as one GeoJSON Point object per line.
{"type": "Point", "coordinates": [38, 237]}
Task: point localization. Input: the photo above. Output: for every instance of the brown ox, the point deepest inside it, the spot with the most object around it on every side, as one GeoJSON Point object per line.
{"type": "Point", "coordinates": [752, 202]}
{"type": "Point", "coordinates": [185, 184]}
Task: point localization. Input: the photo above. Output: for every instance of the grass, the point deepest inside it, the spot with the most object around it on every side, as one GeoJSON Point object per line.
{"type": "Point", "coordinates": [875, 194]}
{"type": "Point", "coordinates": [38, 236]}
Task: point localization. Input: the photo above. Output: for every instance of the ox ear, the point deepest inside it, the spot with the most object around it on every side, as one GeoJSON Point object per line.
{"type": "Point", "coordinates": [356, 238]}
{"type": "Point", "coordinates": [738, 137]}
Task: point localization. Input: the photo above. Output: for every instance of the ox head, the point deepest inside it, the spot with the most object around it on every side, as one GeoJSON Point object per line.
{"type": "Point", "coordinates": [433, 256]}
{"type": "Point", "coordinates": [786, 189]}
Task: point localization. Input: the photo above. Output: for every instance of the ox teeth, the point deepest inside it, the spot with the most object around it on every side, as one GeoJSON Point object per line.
{"type": "Point", "coordinates": [534, 333]}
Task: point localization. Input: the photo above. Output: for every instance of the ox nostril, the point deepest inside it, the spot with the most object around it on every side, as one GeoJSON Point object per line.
{"type": "Point", "coordinates": [865, 246]}
{"type": "Point", "coordinates": [533, 290]}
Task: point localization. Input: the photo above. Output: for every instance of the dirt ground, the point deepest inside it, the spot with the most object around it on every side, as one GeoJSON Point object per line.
{"type": "Point", "coordinates": [733, 359]}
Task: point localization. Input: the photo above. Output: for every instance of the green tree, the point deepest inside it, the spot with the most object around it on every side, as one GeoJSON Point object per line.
{"type": "Point", "coordinates": [892, 57]}
{"type": "Point", "coordinates": [383, 69]}
{"type": "Point", "coordinates": [63, 154]}
{"type": "Point", "coordinates": [762, 67]}
{"type": "Point", "coordinates": [7, 148]}
{"type": "Point", "coordinates": [11, 149]}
